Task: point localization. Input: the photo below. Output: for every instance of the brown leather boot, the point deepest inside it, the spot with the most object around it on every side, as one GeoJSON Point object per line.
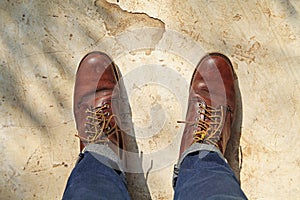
{"type": "Point", "coordinates": [96, 105]}
{"type": "Point", "coordinates": [211, 106]}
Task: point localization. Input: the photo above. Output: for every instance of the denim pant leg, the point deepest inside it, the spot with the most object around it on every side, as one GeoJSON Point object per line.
{"type": "Point", "coordinates": [97, 176]}
{"type": "Point", "coordinates": [203, 173]}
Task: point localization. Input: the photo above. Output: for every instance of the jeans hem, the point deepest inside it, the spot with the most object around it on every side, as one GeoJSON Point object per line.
{"type": "Point", "coordinates": [196, 147]}
{"type": "Point", "coordinates": [105, 155]}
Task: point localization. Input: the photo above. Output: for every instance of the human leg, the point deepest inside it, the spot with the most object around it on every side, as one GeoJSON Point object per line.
{"type": "Point", "coordinates": [202, 172]}
{"type": "Point", "coordinates": [96, 177]}
{"type": "Point", "coordinates": [97, 109]}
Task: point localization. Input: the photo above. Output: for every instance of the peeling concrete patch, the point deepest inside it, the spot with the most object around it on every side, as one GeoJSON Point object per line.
{"type": "Point", "coordinates": [117, 20]}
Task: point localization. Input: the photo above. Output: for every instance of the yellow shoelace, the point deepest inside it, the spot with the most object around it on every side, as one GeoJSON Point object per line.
{"type": "Point", "coordinates": [209, 123]}
{"type": "Point", "coordinates": [97, 126]}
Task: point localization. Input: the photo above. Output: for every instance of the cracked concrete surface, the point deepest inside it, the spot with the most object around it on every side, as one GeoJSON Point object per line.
{"type": "Point", "coordinates": [42, 43]}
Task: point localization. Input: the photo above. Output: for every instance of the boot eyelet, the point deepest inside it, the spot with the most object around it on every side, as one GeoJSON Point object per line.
{"type": "Point", "coordinates": [106, 113]}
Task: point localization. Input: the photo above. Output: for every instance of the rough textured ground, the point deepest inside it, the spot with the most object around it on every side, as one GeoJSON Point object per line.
{"type": "Point", "coordinates": [42, 42]}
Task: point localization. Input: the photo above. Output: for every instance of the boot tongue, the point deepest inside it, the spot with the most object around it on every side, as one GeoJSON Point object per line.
{"type": "Point", "coordinates": [101, 97]}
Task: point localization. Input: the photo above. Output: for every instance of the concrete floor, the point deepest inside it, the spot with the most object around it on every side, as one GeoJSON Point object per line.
{"type": "Point", "coordinates": [156, 45]}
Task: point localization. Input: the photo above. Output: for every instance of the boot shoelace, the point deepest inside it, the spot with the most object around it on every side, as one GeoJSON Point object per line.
{"type": "Point", "coordinates": [208, 124]}
{"type": "Point", "coordinates": [97, 126]}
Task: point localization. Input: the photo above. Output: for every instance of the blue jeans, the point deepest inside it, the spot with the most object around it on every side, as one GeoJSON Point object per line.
{"type": "Point", "coordinates": [201, 173]}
